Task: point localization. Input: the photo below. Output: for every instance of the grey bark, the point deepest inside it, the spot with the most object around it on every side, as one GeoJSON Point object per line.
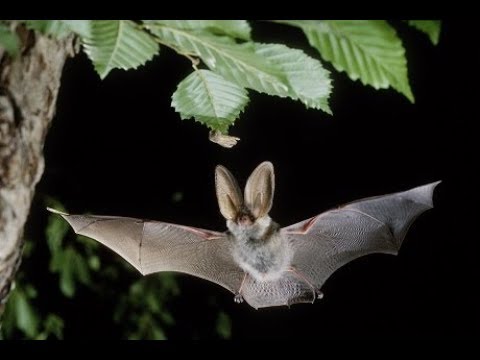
{"type": "Point", "coordinates": [29, 85]}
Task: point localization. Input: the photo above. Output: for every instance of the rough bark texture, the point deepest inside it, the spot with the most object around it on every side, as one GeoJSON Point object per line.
{"type": "Point", "coordinates": [29, 86]}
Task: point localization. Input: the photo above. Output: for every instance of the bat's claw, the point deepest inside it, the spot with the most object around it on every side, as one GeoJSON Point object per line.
{"type": "Point", "coordinates": [238, 298]}
{"type": "Point", "coordinates": [319, 294]}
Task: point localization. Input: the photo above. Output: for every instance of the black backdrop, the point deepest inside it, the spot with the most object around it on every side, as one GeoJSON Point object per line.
{"type": "Point", "coordinates": [117, 147]}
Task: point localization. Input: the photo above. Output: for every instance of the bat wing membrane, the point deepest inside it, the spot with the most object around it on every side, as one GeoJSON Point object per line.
{"type": "Point", "coordinates": [375, 225]}
{"type": "Point", "coordinates": [321, 245]}
{"type": "Point", "coordinates": [152, 246]}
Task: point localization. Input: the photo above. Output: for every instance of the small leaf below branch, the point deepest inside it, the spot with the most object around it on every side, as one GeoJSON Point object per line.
{"type": "Point", "coordinates": [210, 99]}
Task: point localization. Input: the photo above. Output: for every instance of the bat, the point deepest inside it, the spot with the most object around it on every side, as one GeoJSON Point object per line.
{"type": "Point", "coordinates": [256, 259]}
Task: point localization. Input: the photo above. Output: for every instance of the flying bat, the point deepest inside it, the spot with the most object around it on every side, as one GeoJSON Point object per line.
{"type": "Point", "coordinates": [256, 259]}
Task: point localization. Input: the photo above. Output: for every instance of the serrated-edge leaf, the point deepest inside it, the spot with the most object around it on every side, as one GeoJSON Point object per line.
{"type": "Point", "coordinates": [368, 50]}
{"type": "Point", "coordinates": [235, 62]}
{"type": "Point", "coordinates": [118, 44]}
{"type": "Point", "coordinates": [235, 28]}
{"type": "Point", "coordinates": [309, 81]}
{"type": "Point", "coordinates": [9, 40]}
{"type": "Point", "coordinates": [210, 99]}
{"type": "Point", "coordinates": [430, 27]}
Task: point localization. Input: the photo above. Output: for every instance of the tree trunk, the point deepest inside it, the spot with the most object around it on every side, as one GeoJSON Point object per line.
{"type": "Point", "coordinates": [29, 87]}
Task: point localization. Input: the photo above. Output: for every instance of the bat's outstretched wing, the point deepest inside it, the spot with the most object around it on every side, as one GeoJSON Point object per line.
{"type": "Point", "coordinates": [152, 246]}
{"type": "Point", "coordinates": [326, 242]}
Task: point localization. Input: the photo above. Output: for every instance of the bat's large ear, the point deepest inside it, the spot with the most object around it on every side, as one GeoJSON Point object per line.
{"type": "Point", "coordinates": [259, 189]}
{"type": "Point", "coordinates": [229, 196]}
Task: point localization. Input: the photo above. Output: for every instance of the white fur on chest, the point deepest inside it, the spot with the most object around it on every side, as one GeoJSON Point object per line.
{"type": "Point", "coordinates": [264, 259]}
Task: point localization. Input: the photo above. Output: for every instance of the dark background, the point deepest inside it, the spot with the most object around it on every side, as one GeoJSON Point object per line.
{"type": "Point", "coordinates": [117, 147]}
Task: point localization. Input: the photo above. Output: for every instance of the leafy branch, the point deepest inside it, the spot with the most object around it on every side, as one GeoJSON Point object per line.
{"type": "Point", "coordinates": [227, 62]}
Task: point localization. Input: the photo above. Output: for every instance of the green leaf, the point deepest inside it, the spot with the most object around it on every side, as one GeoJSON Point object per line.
{"type": "Point", "coordinates": [136, 289]}
{"type": "Point", "coordinates": [72, 268]}
{"type": "Point", "coordinates": [147, 328]}
{"type": "Point", "coordinates": [9, 40]}
{"type": "Point", "coordinates": [90, 245]}
{"type": "Point", "coordinates": [158, 334]}
{"type": "Point", "coordinates": [167, 318]}
{"type": "Point", "coordinates": [210, 99]}
{"type": "Point", "coordinates": [67, 280]}
{"type": "Point", "coordinates": [94, 262]}
{"type": "Point", "coordinates": [237, 63]}
{"type": "Point", "coordinates": [118, 44]}
{"type": "Point", "coordinates": [54, 325]}
{"type": "Point", "coordinates": [234, 28]}
{"type": "Point", "coordinates": [169, 285]}
{"type": "Point", "coordinates": [55, 28]}
{"type": "Point", "coordinates": [9, 319]}
{"type": "Point", "coordinates": [368, 50]}
{"type": "Point", "coordinates": [25, 316]}
{"type": "Point", "coordinates": [429, 27]}
{"type": "Point", "coordinates": [81, 269]}
{"type": "Point", "coordinates": [309, 81]}
{"type": "Point", "coordinates": [224, 326]}
{"type": "Point", "coordinates": [30, 291]}
{"type": "Point", "coordinates": [28, 248]}
{"type": "Point", "coordinates": [153, 303]}
{"type": "Point", "coordinates": [56, 261]}
{"type": "Point", "coordinates": [55, 232]}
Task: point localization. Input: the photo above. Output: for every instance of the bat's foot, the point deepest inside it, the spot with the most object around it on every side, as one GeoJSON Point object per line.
{"type": "Point", "coordinates": [238, 298]}
{"type": "Point", "coordinates": [319, 294]}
